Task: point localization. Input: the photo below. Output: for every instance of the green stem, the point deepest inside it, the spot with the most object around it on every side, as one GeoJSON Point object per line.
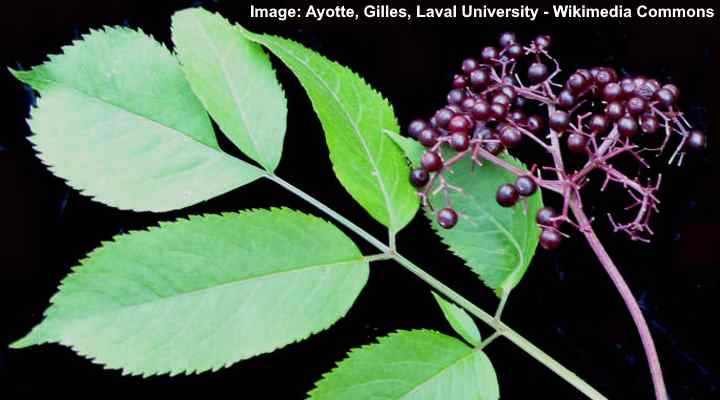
{"type": "Point", "coordinates": [503, 300]}
{"type": "Point", "coordinates": [490, 320]}
{"type": "Point", "coordinates": [489, 340]}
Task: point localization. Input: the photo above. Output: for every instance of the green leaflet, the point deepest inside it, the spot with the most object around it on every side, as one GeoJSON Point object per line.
{"type": "Point", "coordinates": [233, 78]}
{"type": "Point", "coordinates": [496, 243]}
{"type": "Point", "coordinates": [118, 121]}
{"type": "Point", "coordinates": [459, 320]}
{"type": "Point", "coordinates": [355, 117]}
{"type": "Point", "coordinates": [204, 293]}
{"type": "Point", "coordinates": [412, 148]}
{"type": "Point", "coordinates": [411, 365]}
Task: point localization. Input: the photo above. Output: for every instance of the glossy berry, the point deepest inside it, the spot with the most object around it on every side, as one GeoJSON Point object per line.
{"type": "Point", "coordinates": [459, 81]}
{"type": "Point", "coordinates": [415, 127]}
{"type": "Point", "coordinates": [510, 136]}
{"type": "Point", "coordinates": [542, 41]}
{"type": "Point", "coordinates": [479, 78]}
{"type": "Point", "coordinates": [627, 126]}
{"type": "Point", "coordinates": [459, 141]}
{"type": "Point", "coordinates": [550, 239]}
{"type": "Point", "coordinates": [599, 124]}
{"type": "Point", "coordinates": [455, 97]}
{"type": "Point", "coordinates": [518, 116]}
{"type": "Point", "coordinates": [535, 123]}
{"type": "Point", "coordinates": [447, 218]}
{"type": "Point", "coordinates": [467, 104]}
{"type": "Point", "coordinates": [696, 141]}
{"type": "Point", "coordinates": [508, 91]}
{"type": "Point", "coordinates": [566, 100]}
{"type": "Point", "coordinates": [506, 39]}
{"type": "Point", "coordinates": [428, 137]}
{"type": "Point", "coordinates": [498, 111]}
{"type": "Point", "coordinates": [525, 185]}
{"type": "Point", "coordinates": [488, 54]}
{"type": "Point", "coordinates": [514, 51]}
{"type": "Point", "coordinates": [443, 117]}
{"type": "Point", "coordinates": [614, 110]}
{"type": "Point", "coordinates": [649, 124]}
{"type": "Point", "coordinates": [431, 161]}
{"type": "Point", "coordinates": [647, 90]}
{"type": "Point", "coordinates": [469, 64]}
{"type": "Point", "coordinates": [419, 177]}
{"type": "Point", "coordinates": [545, 216]}
{"type": "Point", "coordinates": [627, 88]}
{"type": "Point", "coordinates": [559, 120]}
{"type": "Point", "coordinates": [507, 195]}
{"type": "Point", "coordinates": [611, 92]}
{"type": "Point", "coordinates": [673, 89]}
{"type": "Point", "coordinates": [459, 123]}
{"type": "Point", "coordinates": [537, 72]}
{"type": "Point", "coordinates": [502, 99]}
{"type": "Point", "coordinates": [577, 142]}
{"type": "Point", "coordinates": [480, 110]}
{"type": "Point", "coordinates": [494, 147]}
{"type": "Point", "coordinates": [665, 97]}
{"type": "Point", "coordinates": [577, 82]}
{"type": "Point", "coordinates": [636, 105]}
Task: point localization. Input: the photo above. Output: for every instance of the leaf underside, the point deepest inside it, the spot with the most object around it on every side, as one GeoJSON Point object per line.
{"type": "Point", "coordinates": [118, 121]}
{"type": "Point", "coordinates": [417, 365]}
{"type": "Point", "coordinates": [354, 117]}
{"type": "Point", "coordinates": [204, 293]}
{"type": "Point", "coordinates": [459, 320]}
{"type": "Point", "coordinates": [233, 78]}
{"type": "Point", "coordinates": [496, 243]}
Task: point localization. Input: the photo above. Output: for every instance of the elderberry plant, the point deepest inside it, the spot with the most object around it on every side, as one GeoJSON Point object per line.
{"type": "Point", "coordinates": [127, 122]}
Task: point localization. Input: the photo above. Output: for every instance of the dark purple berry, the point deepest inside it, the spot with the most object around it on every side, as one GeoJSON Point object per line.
{"type": "Point", "coordinates": [447, 218]}
{"type": "Point", "coordinates": [506, 39]}
{"type": "Point", "coordinates": [479, 78]}
{"type": "Point", "coordinates": [566, 100]}
{"type": "Point", "coordinates": [507, 195]}
{"type": "Point", "coordinates": [514, 51]}
{"type": "Point", "coordinates": [647, 90]}
{"type": "Point", "coordinates": [415, 127]}
{"type": "Point", "coordinates": [577, 142]}
{"type": "Point", "coordinates": [627, 126]}
{"type": "Point", "coordinates": [627, 88]}
{"type": "Point", "coordinates": [588, 76]}
{"type": "Point", "coordinates": [604, 76]}
{"type": "Point", "coordinates": [467, 104]}
{"type": "Point", "coordinates": [460, 123]}
{"type": "Point", "coordinates": [428, 137]}
{"type": "Point", "coordinates": [614, 110]}
{"type": "Point", "coordinates": [443, 117]}
{"type": "Point", "coordinates": [494, 147]}
{"type": "Point", "coordinates": [537, 72]}
{"type": "Point", "coordinates": [518, 116]}
{"type": "Point", "coordinates": [542, 41]}
{"type": "Point", "coordinates": [599, 123]}
{"type": "Point", "coordinates": [559, 120]}
{"type": "Point", "coordinates": [459, 81]}
{"type": "Point", "coordinates": [649, 124]}
{"type": "Point", "coordinates": [431, 161]}
{"type": "Point", "coordinates": [545, 216]}
{"type": "Point", "coordinates": [502, 99]}
{"type": "Point", "coordinates": [636, 105]}
{"type": "Point", "coordinates": [673, 89]}
{"type": "Point", "coordinates": [612, 91]}
{"type": "Point", "coordinates": [455, 97]}
{"type": "Point", "coordinates": [489, 54]}
{"type": "Point", "coordinates": [459, 141]}
{"type": "Point", "coordinates": [508, 91]}
{"type": "Point", "coordinates": [550, 239]}
{"type": "Point", "coordinates": [525, 185]}
{"type": "Point", "coordinates": [469, 64]}
{"type": "Point", "coordinates": [419, 177]}
{"type": "Point", "coordinates": [665, 97]}
{"type": "Point", "coordinates": [480, 110]}
{"type": "Point", "coordinates": [576, 83]}
{"type": "Point", "coordinates": [498, 111]}
{"type": "Point", "coordinates": [510, 136]}
{"type": "Point", "coordinates": [696, 141]}
{"type": "Point", "coordinates": [535, 123]}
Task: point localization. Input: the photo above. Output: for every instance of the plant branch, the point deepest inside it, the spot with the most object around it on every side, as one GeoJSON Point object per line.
{"type": "Point", "coordinates": [458, 299]}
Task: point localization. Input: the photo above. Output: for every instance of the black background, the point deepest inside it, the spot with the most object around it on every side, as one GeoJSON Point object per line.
{"type": "Point", "coordinates": [565, 305]}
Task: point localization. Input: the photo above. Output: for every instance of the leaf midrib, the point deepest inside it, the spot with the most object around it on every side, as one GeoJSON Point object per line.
{"type": "Point", "coordinates": [233, 93]}
{"type": "Point", "coordinates": [160, 299]}
{"type": "Point", "coordinates": [356, 130]}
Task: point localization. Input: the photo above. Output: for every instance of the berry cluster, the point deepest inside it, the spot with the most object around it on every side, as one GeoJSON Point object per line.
{"type": "Point", "coordinates": [594, 114]}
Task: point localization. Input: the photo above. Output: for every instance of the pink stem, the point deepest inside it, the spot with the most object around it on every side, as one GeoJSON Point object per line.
{"type": "Point", "coordinates": [628, 298]}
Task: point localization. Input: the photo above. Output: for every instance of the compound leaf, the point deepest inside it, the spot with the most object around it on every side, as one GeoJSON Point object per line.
{"type": "Point", "coordinates": [233, 78]}
{"type": "Point", "coordinates": [204, 293]}
{"type": "Point", "coordinates": [496, 243]}
{"type": "Point", "coordinates": [119, 122]}
{"type": "Point", "coordinates": [354, 117]}
{"type": "Point", "coordinates": [459, 320]}
{"type": "Point", "coordinates": [417, 365]}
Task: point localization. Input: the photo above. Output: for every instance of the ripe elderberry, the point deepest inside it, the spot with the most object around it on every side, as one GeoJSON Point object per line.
{"type": "Point", "coordinates": [510, 136]}
{"type": "Point", "coordinates": [537, 72]}
{"type": "Point", "coordinates": [507, 195]}
{"type": "Point", "coordinates": [696, 141]}
{"type": "Point", "coordinates": [525, 185]}
{"type": "Point", "coordinates": [550, 239]}
{"type": "Point", "coordinates": [559, 120]}
{"type": "Point", "coordinates": [577, 142]}
{"type": "Point", "coordinates": [546, 217]}
{"type": "Point", "coordinates": [415, 127]}
{"type": "Point", "coordinates": [431, 161]}
{"type": "Point", "coordinates": [459, 141]}
{"type": "Point", "coordinates": [447, 218]}
{"type": "Point", "coordinates": [419, 177]}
